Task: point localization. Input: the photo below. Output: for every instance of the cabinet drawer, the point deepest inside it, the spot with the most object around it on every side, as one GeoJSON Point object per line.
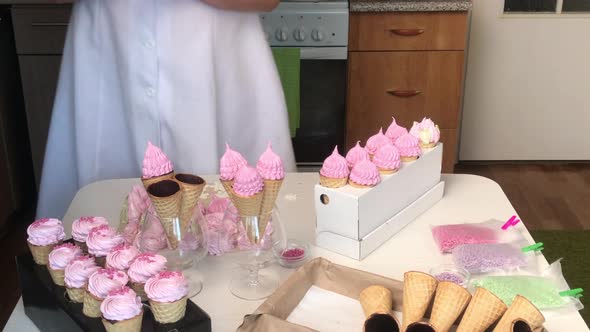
{"type": "Point", "coordinates": [406, 85]}
{"type": "Point", "coordinates": [40, 29]}
{"type": "Point", "coordinates": [408, 31]}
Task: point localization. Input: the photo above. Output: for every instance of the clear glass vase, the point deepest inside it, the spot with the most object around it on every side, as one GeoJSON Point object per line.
{"type": "Point", "coordinates": [182, 242]}
{"type": "Point", "coordinates": [256, 237]}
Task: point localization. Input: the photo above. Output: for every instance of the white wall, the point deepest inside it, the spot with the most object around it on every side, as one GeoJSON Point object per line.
{"type": "Point", "coordinates": [527, 90]}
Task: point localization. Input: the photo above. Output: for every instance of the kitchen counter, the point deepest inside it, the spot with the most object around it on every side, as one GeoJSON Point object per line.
{"type": "Point", "coordinates": [409, 5]}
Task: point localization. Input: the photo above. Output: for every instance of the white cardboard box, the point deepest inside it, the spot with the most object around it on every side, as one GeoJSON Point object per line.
{"type": "Point", "coordinates": [352, 215]}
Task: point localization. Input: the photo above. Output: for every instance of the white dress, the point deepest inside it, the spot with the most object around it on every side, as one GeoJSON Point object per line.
{"type": "Point", "coordinates": [187, 76]}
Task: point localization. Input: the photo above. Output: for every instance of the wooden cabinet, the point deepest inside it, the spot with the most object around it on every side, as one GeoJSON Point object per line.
{"type": "Point", "coordinates": [409, 66]}
{"type": "Point", "coordinates": [40, 33]}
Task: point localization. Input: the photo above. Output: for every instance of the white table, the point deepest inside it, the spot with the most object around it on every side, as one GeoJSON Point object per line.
{"type": "Point", "coordinates": [467, 198]}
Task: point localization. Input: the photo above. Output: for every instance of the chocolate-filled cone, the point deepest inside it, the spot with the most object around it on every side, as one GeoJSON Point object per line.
{"type": "Point", "coordinates": [520, 309]}
{"type": "Point", "coordinates": [419, 289]}
{"type": "Point", "coordinates": [382, 323]}
{"type": "Point", "coordinates": [377, 302]}
{"type": "Point", "coordinates": [192, 186]}
{"type": "Point", "coordinates": [166, 196]}
{"type": "Point", "coordinates": [421, 327]}
{"type": "Point", "coordinates": [155, 179]}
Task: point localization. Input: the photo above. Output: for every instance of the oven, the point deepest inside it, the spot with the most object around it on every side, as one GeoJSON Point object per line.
{"type": "Point", "coordinates": [320, 31]}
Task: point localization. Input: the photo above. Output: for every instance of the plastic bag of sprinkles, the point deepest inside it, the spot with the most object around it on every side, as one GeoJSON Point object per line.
{"type": "Point", "coordinates": [449, 236]}
{"type": "Point", "coordinates": [494, 257]}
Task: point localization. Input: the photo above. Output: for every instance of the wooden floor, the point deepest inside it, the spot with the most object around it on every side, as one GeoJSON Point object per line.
{"type": "Point", "coordinates": [546, 196]}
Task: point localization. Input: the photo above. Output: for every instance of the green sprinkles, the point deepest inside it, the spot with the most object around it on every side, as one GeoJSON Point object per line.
{"type": "Point", "coordinates": [540, 291]}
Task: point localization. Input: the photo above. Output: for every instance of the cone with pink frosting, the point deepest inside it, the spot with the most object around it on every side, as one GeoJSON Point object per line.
{"type": "Point", "coordinates": [167, 292]}
{"type": "Point", "coordinates": [409, 147]}
{"type": "Point", "coordinates": [59, 258]}
{"type": "Point", "coordinates": [387, 159]}
{"type": "Point", "coordinates": [166, 196]}
{"type": "Point", "coordinates": [156, 166]}
{"type": "Point", "coordinates": [122, 311]}
{"type": "Point", "coordinates": [143, 267]}
{"type": "Point", "coordinates": [82, 227]}
{"type": "Point", "coordinates": [375, 142]}
{"type": "Point", "coordinates": [395, 131]}
{"type": "Point", "coordinates": [100, 284]}
{"type": "Point", "coordinates": [229, 164]}
{"type": "Point", "coordinates": [271, 169]}
{"type": "Point", "coordinates": [248, 189]}
{"type": "Point", "coordinates": [44, 234]}
{"type": "Point", "coordinates": [356, 154]}
{"type": "Point", "coordinates": [364, 175]}
{"type": "Point", "coordinates": [426, 132]}
{"type": "Point", "coordinates": [76, 276]}
{"type": "Point", "coordinates": [334, 172]}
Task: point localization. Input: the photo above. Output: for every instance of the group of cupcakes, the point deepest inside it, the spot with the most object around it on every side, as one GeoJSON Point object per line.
{"type": "Point", "coordinates": [108, 276]}
{"type": "Point", "coordinates": [383, 154]}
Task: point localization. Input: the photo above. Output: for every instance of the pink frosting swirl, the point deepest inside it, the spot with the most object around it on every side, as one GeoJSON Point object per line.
{"type": "Point", "coordinates": [230, 163]}
{"type": "Point", "coordinates": [335, 166]}
{"type": "Point", "coordinates": [79, 270]}
{"type": "Point", "coordinates": [356, 154]}
{"type": "Point", "coordinates": [247, 182]}
{"type": "Point", "coordinates": [426, 131]}
{"type": "Point", "coordinates": [62, 255]}
{"type": "Point", "coordinates": [376, 141]}
{"type": "Point", "coordinates": [394, 131]}
{"type": "Point", "coordinates": [122, 303]}
{"type": "Point", "coordinates": [270, 165]}
{"type": "Point", "coordinates": [121, 256]}
{"type": "Point", "coordinates": [102, 240]}
{"type": "Point", "coordinates": [365, 173]}
{"type": "Point", "coordinates": [167, 286]}
{"type": "Point", "coordinates": [83, 225]}
{"type": "Point", "coordinates": [155, 162]}
{"type": "Point", "coordinates": [145, 266]}
{"type": "Point", "coordinates": [46, 231]}
{"type": "Point", "coordinates": [408, 146]}
{"type": "Point", "coordinates": [104, 281]}
{"type": "Point", "coordinates": [387, 157]}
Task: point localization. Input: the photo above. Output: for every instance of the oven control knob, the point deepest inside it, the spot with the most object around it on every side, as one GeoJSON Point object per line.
{"type": "Point", "coordinates": [317, 35]}
{"type": "Point", "coordinates": [282, 34]}
{"type": "Point", "coordinates": [299, 34]}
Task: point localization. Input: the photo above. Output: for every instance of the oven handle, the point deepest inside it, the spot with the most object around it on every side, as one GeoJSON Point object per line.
{"type": "Point", "coordinates": [324, 53]}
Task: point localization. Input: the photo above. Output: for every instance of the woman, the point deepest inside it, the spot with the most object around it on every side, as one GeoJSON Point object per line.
{"type": "Point", "coordinates": [188, 75]}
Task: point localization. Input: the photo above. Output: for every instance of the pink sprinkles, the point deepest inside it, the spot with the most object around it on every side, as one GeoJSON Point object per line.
{"type": "Point", "coordinates": [66, 245]}
{"type": "Point", "coordinates": [146, 257]}
{"type": "Point", "coordinates": [122, 246]}
{"type": "Point", "coordinates": [111, 273]}
{"type": "Point", "coordinates": [81, 258]}
{"type": "Point", "coordinates": [169, 275]}
{"type": "Point", "coordinates": [293, 254]}
{"type": "Point", "coordinates": [123, 290]}
{"type": "Point", "coordinates": [86, 218]}
{"type": "Point", "coordinates": [39, 222]}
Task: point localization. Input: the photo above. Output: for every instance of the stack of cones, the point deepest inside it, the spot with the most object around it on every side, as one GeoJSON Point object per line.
{"type": "Point", "coordinates": [377, 302]}
{"type": "Point", "coordinates": [449, 302]}
{"type": "Point", "coordinates": [484, 310]}
{"type": "Point", "coordinates": [419, 289]}
{"type": "Point", "coordinates": [522, 314]}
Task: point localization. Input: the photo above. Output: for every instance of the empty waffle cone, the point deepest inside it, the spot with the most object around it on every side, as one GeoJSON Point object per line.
{"type": "Point", "coordinates": [332, 182]}
{"type": "Point", "coordinates": [419, 288]}
{"type": "Point", "coordinates": [166, 313]}
{"type": "Point", "coordinates": [269, 197]}
{"type": "Point", "coordinates": [376, 299]}
{"type": "Point", "coordinates": [128, 325]}
{"type": "Point", "coordinates": [449, 302]}
{"type": "Point", "coordinates": [484, 310]}
{"type": "Point", "coordinates": [192, 186]}
{"type": "Point", "coordinates": [166, 197]}
{"type": "Point", "coordinates": [520, 309]}
{"type": "Point", "coordinates": [150, 181]}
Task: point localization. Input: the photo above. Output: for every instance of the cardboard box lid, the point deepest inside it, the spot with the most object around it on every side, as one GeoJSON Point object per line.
{"type": "Point", "coordinates": [272, 314]}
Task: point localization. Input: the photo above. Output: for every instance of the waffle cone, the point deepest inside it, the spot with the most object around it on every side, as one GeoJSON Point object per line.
{"type": "Point", "coordinates": [41, 253]}
{"type": "Point", "coordinates": [522, 309]}
{"type": "Point", "coordinates": [138, 288]}
{"type": "Point", "coordinates": [227, 185]}
{"type": "Point", "coordinates": [428, 145]}
{"type": "Point", "coordinates": [57, 276]}
{"type": "Point", "coordinates": [247, 207]}
{"type": "Point", "coordinates": [449, 302]}
{"type": "Point", "coordinates": [332, 182]}
{"type": "Point", "coordinates": [356, 185]}
{"type": "Point", "coordinates": [376, 299]}
{"type": "Point", "coordinates": [150, 181]}
{"type": "Point", "coordinates": [381, 323]}
{"type": "Point", "coordinates": [269, 197]}
{"type": "Point", "coordinates": [408, 159]}
{"type": "Point", "coordinates": [192, 186]}
{"type": "Point", "coordinates": [419, 288]}
{"type": "Point", "coordinates": [484, 310]}
{"type": "Point", "coordinates": [76, 294]}
{"type": "Point", "coordinates": [384, 171]}
{"type": "Point", "coordinates": [128, 325]}
{"type": "Point", "coordinates": [172, 312]}
{"type": "Point", "coordinates": [166, 196]}
{"type": "Point", "coordinates": [91, 306]}
{"type": "Point", "coordinates": [421, 327]}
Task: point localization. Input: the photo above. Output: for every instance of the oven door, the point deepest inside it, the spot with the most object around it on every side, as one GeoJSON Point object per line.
{"type": "Point", "coordinates": [323, 95]}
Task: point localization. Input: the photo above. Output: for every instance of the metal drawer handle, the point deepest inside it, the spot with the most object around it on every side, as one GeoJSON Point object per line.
{"type": "Point", "coordinates": [404, 93]}
{"type": "Point", "coordinates": [407, 32]}
{"type": "Point", "coordinates": [49, 24]}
